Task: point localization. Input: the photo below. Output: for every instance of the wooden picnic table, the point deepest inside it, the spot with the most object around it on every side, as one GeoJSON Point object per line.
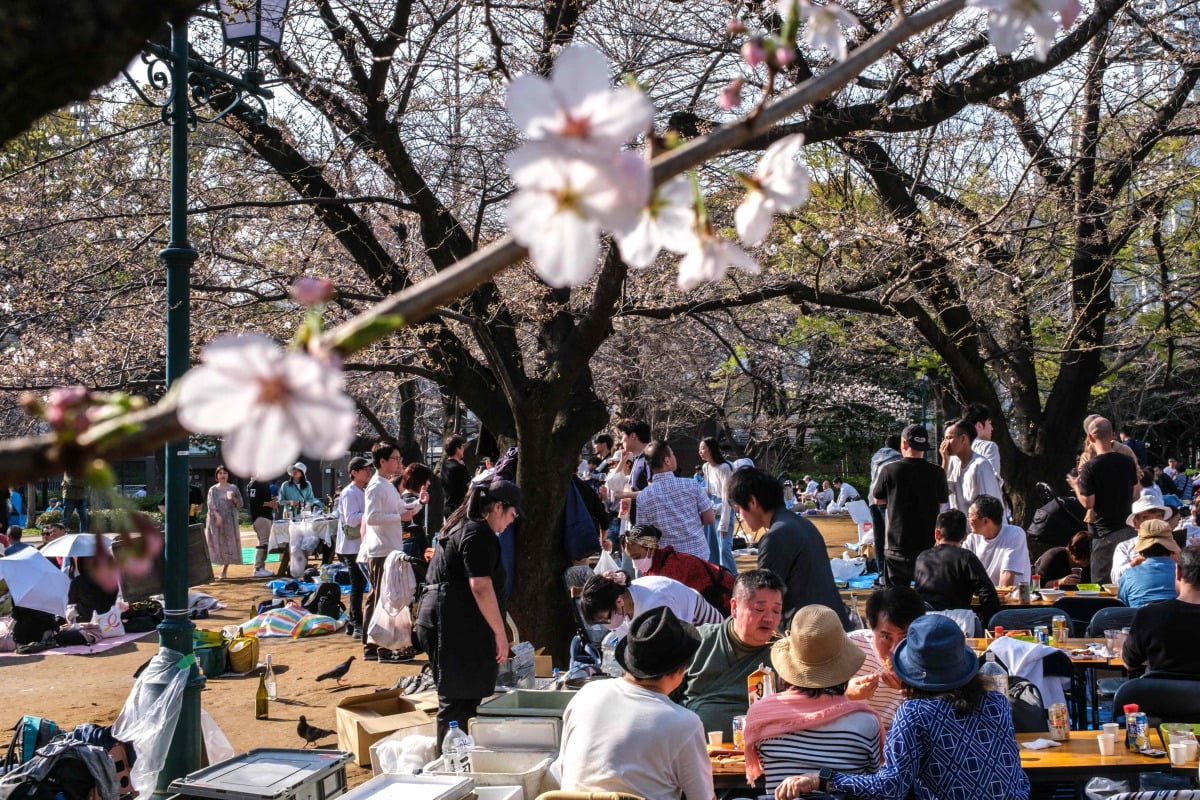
{"type": "Point", "coordinates": [1076, 759]}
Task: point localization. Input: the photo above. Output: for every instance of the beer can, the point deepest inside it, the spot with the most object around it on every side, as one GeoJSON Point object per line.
{"type": "Point", "coordinates": [1137, 730]}
{"type": "Point", "coordinates": [1041, 634]}
{"type": "Point", "coordinates": [739, 732]}
{"type": "Point", "coordinates": [1060, 722]}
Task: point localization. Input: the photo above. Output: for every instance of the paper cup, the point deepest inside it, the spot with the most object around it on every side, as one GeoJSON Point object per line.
{"type": "Point", "coordinates": [1112, 728]}
{"type": "Point", "coordinates": [716, 738]}
{"type": "Point", "coordinates": [1178, 754]}
{"type": "Point", "coordinates": [1191, 746]}
{"type": "Point", "coordinates": [1108, 744]}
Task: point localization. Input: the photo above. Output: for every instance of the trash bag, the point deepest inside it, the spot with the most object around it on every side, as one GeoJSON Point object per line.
{"type": "Point", "coordinates": [215, 743]}
{"type": "Point", "coordinates": [404, 756]}
{"type": "Point", "coordinates": [606, 564]}
{"type": "Point", "coordinates": [148, 719]}
{"type": "Point", "coordinates": [846, 568]}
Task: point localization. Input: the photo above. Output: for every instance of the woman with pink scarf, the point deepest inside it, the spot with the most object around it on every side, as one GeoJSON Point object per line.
{"type": "Point", "coordinates": [809, 724]}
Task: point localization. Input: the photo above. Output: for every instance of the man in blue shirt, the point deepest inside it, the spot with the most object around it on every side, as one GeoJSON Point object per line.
{"type": "Point", "coordinates": [1152, 574]}
{"type": "Point", "coordinates": [15, 545]}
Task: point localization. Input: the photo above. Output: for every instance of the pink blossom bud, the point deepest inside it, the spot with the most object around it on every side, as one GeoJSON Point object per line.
{"type": "Point", "coordinates": [731, 95]}
{"type": "Point", "coordinates": [785, 56]}
{"type": "Point", "coordinates": [754, 53]}
{"type": "Point", "coordinates": [734, 26]}
{"type": "Point", "coordinates": [309, 291]}
{"type": "Point", "coordinates": [63, 407]}
{"type": "Point", "coordinates": [1069, 13]}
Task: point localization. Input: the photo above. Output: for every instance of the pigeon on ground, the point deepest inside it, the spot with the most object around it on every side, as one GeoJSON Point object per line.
{"type": "Point", "coordinates": [311, 734]}
{"type": "Point", "coordinates": [338, 672]}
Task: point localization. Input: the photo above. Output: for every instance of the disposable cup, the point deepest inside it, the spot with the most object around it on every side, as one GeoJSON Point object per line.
{"type": "Point", "coordinates": [1108, 744]}
{"type": "Point", "coordinates": [1191, 746]}
{"type": "Point", "coordinates": [1178, 754]}
{"type": "Point", "coordinates": [1112, 728]}
{"type": "Point", "coordinates": [716, 738]}
{"type": "Point", "coordinates": [1111, 640]}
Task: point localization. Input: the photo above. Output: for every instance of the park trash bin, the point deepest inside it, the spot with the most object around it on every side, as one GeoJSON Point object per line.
{"type": "Point", "coordinates": [269, 773]}
{"type": "Point", "coordinates": [527, 703]}
{"type": "Point", "coordinates": [414, 787]}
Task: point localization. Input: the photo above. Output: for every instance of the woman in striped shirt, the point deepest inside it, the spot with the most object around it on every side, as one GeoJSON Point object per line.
{"type": "Point", "coordinates": [810, 724]}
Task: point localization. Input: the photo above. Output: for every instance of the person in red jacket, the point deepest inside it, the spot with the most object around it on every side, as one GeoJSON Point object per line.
{"type": "Point", "coordinates": [714, 583]}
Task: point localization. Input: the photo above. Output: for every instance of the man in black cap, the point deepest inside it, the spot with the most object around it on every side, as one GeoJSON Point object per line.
{"type": "Point", "coordinates": [913, 490]}
{"type": "Point", "coordinates": [626, 735]}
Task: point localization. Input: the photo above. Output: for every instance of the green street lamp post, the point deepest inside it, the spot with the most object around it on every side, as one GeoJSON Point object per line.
{"type": "Point", "coordinates": [191, 85]}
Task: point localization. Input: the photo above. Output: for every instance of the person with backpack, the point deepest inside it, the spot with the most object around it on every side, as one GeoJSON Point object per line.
{"type": "Point", "coordinates": [714, 583]}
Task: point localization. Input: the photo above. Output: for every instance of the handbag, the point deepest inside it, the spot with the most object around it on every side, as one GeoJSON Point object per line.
{"type": "Point", "coordinates": [388, 630]}
{"type": "Point", "coordinates": [242, 653]}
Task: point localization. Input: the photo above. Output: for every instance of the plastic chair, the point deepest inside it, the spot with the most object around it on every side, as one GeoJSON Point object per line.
{"type": "Point", "coordinates": [1107, 619]}
{"type": "Point", "coordinates": [1163, 698]}
{"type": "Point", "coordinates": [1080, 610]}
{"type": "Point", "coordinates": [966, 619]}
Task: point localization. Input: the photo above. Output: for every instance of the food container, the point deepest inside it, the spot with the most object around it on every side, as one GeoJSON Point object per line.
{"type": "Point", "coordinates": [270, 773]}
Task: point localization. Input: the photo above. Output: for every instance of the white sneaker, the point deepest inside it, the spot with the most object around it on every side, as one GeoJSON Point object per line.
{"type": "Point", "coordinates": [262, 573]}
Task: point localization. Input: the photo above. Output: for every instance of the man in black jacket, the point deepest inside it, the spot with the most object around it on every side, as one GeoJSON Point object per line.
{"type": "Point", "coordinates": [948, 576]}
{"type": "Point", "coordinates": [792, 547]}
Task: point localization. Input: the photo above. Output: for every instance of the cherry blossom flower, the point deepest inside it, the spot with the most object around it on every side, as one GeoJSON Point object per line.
{"type": "Point", "coordinates": [577, 108]}
{"type": "Point", "coordinates": [754, 52]}
{"type": "Point", "coordinates": [267, 404]}
{"type": "Point", "coordinates": [668, 221]}
{"type": "Point", "coordinates": [710, 259]}
{"type": "Point", "coordinates": [1009, 19]}
{"type": "Point", "coordinates": [780, 184]}
{"type": "Point", "coordinates": [310, 291]}
{"type": "Point", "coordinates": [731, 96]}
{"type": "Point", "coordinates": [565, 202]}
{"type": "Point", "coordinates": [825, 23]}
{"type": "Point", "coordinates": [734, 27]}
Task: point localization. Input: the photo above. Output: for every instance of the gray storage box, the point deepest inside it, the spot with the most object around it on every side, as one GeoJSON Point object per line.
{"type": "Point", "coordinates": [270, 773]}
{"type": "Point", "coordinates": [527, 703]}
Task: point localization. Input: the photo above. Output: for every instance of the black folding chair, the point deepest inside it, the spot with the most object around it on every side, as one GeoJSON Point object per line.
{"type": "Point", "coordinates": [1161, 697]}
{"type": "Point", "coordinates": [1107, 619]}
{"type": "Point", "coordinates": [1012, 619]}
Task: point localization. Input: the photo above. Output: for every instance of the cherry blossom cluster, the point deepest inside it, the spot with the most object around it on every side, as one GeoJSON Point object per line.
{"type": "Point", "coordinates": [576, 181]}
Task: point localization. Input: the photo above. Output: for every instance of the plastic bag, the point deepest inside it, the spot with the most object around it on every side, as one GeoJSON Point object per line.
{"type": "Point", "coordinates": [297, 560]}
{"type": "Point", "coordinates": [148, 719]}
{"type": "Point", "coordinates": [390, 631]}
{"type": "Point", "coordinates": [845, 569]}
{"type": "Point", "coordinates": [403, 756]}
{"type": "Point", "coordinates": [215, 743]}
{"type": "Point", "coordinates": [606, 564]}
{"type": "Point", "coordinates": [1103, 788]}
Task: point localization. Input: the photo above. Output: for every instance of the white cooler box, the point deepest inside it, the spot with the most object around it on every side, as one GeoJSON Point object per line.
{"type": "Point", "coordinates": [510, 752]}
{"type": "Point", "coordinates": [412, 787]}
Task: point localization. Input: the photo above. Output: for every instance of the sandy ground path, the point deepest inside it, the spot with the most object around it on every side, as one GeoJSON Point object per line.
{"type": "Point", "coordinates": [75, 689]}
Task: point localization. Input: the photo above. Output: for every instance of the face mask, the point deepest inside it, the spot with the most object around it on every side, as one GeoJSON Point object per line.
{"type": "Point", "coordinates": [642, 564]}
{"type": "Point", "coordinates": [615, 621]}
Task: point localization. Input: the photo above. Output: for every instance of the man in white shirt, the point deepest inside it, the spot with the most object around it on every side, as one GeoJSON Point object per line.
{"type": "Point", "coordinates": [385, 514]}
{"type": "Point", "coordinates": [608, 603]}
{"type": "Point", "coordinates": [350, 507]}
{"type": "Point", "coordinates": [846, 493]}
{"type": "Point", "coordinates": [1002, 548]}
{"type": "Point", "coordinates": [626, 735]}
{"type": "Point", "coordinates": [968, 475]}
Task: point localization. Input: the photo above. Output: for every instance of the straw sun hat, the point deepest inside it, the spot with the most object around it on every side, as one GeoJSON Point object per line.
{"type": "Point", "coordinates": [816, 653]}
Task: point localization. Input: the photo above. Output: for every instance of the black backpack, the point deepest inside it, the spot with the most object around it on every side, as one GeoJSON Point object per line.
{"type": "Point", "coordinates": [57, 773]}
{"type": "Point", "coordinates": [326, 601]}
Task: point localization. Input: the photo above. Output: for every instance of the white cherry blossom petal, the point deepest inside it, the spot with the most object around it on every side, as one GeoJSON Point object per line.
{"type": "Point", "coordinates": [779, 184]}
{"type": "Point", "coordinates": [710, 260]}
{"type": "Point", "coordinates": [667, 221]}
{"type": "Point", "coordinates": [824, 28]}
{"type": "Point", "coordinates": [1008, 20]}
{"type": "Point", "coordinates": [267, 405]}
{"type": "Point", "coordinates": [753, 218]}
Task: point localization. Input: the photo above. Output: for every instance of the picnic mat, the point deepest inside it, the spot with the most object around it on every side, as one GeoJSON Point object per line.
{"type": "Point", "coordinates": [83, 649]}
{"type": "Point", "coordinates": [248, 556]}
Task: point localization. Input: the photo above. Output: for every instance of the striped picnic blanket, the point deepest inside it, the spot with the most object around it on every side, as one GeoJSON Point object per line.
{"type": "Point", "coordinates": [291, 620]}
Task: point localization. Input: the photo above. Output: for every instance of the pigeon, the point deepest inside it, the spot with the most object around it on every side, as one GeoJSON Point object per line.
{"type": "Point", "coordinates": [338, 672]}
{"type": "Point", "coordinates": [311, 734]}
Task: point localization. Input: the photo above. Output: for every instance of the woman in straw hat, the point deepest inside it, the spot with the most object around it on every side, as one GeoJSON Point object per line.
{"type": "Point", "coordinates": [1152, 576]}
{"type": "Point", "coordinates": [951, 740]}
{"type": "Point", "coordinates": [810, 724]}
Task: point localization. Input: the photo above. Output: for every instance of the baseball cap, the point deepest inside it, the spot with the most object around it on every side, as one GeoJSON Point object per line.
{"type": "Point", "coordinates": [916, 437]}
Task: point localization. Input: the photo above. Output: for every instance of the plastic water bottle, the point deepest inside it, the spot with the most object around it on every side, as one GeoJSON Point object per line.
{"type": "Point", "coordinates": [995, 677]}
{"type": "Point", "coordinates": [608, 655]}
{"type": "Point", "coordinates": [456, 747]}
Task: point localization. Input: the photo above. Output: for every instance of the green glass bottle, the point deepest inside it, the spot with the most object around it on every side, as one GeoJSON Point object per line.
{"type": "Point", "coordinates": [261, 703]}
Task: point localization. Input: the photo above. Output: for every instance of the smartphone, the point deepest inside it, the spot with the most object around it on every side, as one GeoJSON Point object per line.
{"type": "Point", "coordinates": [1152, 752]}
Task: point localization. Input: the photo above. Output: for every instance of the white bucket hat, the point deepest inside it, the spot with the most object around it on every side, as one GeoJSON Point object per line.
{"type": "Point", "coordinates": [1142, 505]}
{"type": "Point", "coordinates": [300, 465]}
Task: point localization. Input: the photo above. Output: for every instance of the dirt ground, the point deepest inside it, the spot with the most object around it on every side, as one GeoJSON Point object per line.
{"type": "Point", "coordinates": [75, 689]}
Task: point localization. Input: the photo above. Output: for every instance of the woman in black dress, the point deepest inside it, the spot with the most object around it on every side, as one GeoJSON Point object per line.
{"type": "Point", "coordinates": [461, 620]}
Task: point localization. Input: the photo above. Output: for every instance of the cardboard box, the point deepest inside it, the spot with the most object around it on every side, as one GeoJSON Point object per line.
{"type": "Point", "coordinates": [364, 719]}
{"type": "Point", "coordinates": [543, 666]}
